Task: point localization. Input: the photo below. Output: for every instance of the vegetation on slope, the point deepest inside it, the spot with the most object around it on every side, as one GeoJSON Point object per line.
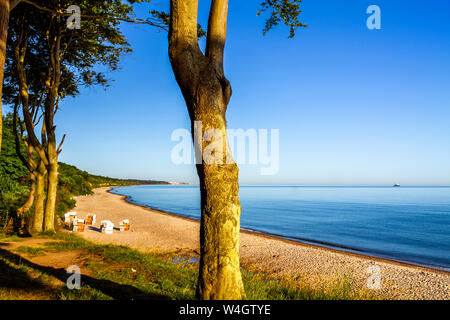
{"type": "Point", "coordinates": [15, 185]}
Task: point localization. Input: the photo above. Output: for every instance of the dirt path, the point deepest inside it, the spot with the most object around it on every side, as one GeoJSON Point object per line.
{"type": "Point", "coordinates": [56, 260]}
{"type": "Point", "coordinates": [29, 273]}
{"type": "Point", "coordinates": [38, 269]}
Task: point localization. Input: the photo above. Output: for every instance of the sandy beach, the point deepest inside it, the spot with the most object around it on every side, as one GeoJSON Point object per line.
{"type": "Point", "coordinates": [155, 231]}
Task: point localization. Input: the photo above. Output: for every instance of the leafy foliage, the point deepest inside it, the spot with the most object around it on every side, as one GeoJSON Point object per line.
{"type": "Point", "coordinates": [86, 53]}
{"type": "Point", "coordinates": [14, 187]}
{"type": "Point", "coordinates": [285, 11]}
{"type": "Point", "coordinates": [10, 164]}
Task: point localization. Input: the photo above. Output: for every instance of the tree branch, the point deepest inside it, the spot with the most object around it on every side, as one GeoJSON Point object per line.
{"type": "Point", "coordinates": [23, 89]}
{"type": "Point", "coordinates": [217, 31]}
{"type": "Point", "coordinates": [183, 23]}
{"type": "Point", "coordinates": [184, 52]}
{"type": "Point", "coordinates": [58, 151]}
{"type": "Point", "coordinates": [13, 4]}
{"type": "Point", "coordinates": [30, 164]}
{"type": "Point", "coordinates": [64, 14]}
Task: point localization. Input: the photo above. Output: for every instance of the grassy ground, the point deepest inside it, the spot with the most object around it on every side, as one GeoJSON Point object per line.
{"type": "Point", "coordinates": [118, 272]}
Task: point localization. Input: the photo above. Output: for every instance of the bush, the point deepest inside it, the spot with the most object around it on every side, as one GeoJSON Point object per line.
{"type": "Point", "coordinates": [14, 187]}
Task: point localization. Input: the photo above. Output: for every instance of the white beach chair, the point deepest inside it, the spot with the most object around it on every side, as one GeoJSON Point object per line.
{"type": "Point", "coordinates": [69, 216]}
{"type": "Point", "coordinates": [107, 227]}
{"type": "Point", "coordinates": [103, 222]}
{"type": "Point", "coordinates": [74, 224]}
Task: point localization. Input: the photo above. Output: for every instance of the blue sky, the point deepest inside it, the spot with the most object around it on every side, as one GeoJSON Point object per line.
{"type": "Point", "coordinates": [353, 106]}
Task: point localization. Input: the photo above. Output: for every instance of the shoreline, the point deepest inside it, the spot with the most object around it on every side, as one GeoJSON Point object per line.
{"type": "Point", "coordinates": [160, 232]}
{"type": "Point", "coordinates": [304, 242]}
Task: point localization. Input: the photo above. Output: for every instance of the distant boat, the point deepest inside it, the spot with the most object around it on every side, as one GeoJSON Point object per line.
{"type": "Point", "coordinates": [396, 185]}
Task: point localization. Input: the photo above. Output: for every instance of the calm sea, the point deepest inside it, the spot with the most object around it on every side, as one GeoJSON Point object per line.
{"type": "Point", "coordinates": [410, 224]}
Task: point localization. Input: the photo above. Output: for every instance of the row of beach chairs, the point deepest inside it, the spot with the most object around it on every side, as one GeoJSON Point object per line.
{"type": "Point", "coordinates": [78, 224]}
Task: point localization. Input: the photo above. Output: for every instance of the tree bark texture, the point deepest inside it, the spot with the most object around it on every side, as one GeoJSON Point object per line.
{"type": "Point", "coordinates": [21, 224]}
{"type": "Point", "coordinates": [37, 221]}
{"type": "Point", "coordinates": [50, 204]}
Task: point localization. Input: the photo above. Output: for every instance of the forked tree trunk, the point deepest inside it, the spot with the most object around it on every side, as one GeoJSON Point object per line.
{"type": "Point", "coordinates": [207, 92]}
{"type": "Point", "coordinates": [37, 220]}
{"type": "Point", "coordinates": [52, 152]}
{"type": "Point", "coordinates": [4, 20]}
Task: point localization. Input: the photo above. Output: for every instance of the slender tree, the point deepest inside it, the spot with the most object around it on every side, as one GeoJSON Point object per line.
{"type": "Point", "coordinates": [37, 173]}
{"type": "Point", "coordinates": [5, 7]}
{"type": "Point", "coordinates": [207, 92]}
{"type": "Point", "coordinates": [27, 91]}
{"type": "Point", "coordinates": [36, 168]}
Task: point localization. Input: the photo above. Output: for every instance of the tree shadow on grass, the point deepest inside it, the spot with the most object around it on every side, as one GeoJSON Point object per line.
{"type": "Point", "coordinates": [15, 278]}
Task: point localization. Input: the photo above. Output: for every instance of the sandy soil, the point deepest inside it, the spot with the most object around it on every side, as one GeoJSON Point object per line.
{"type": "Point", "coordinates": [156, 231]}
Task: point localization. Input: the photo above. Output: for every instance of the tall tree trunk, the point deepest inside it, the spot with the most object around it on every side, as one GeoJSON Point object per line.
{"type": "Point", "coordinates": [50, 204]}
{"type": "Point", "coordinates": [21, 222]}
{"type": "Point", "coordinates": [29, 164]}
{"type": "Point", "coordinates": [4, 20]}
{"type": "Point", "coordinates": [37, 220]}
{"type": "Point", "coordinates": [220, 276]}
{"type": "Point", "coordinates": [51, 104]}
{"type": "Point", "coordinates": [207, 93]}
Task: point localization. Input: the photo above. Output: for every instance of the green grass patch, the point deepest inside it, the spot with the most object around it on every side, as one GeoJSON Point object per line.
{"type": "Point", "coordinates": [12, 238]}
{"type": "Point", "coordinates": [31, 251]}
{"type": "Point", "coordinates": [259, 287]}
{"type": "Point", "coordinates": [84, 293]}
